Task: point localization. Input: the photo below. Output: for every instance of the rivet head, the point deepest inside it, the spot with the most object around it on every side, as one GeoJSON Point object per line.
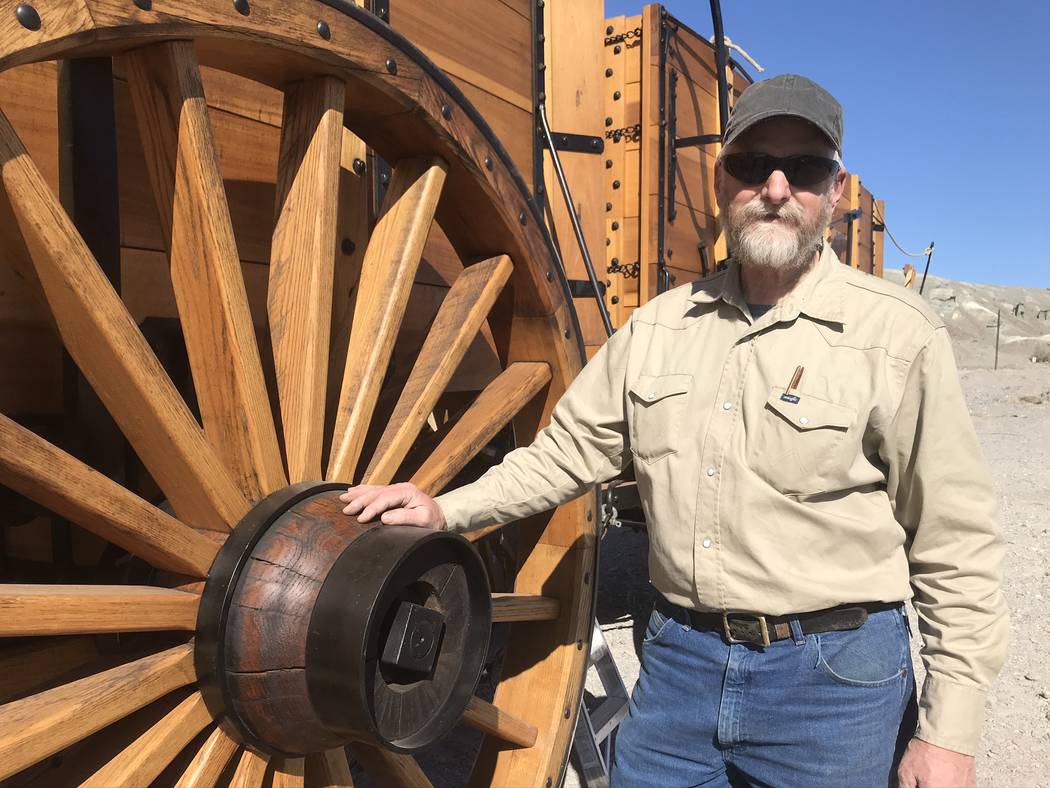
{"type": "Point", "coordinates": [579, 645]}
{"type": "Point", "coordinates": [568, 334]}
{"type": "Point", "coordinates": [391, 65]}
{"type": "Point", "coordinates": [608, 121]}
{"type": "Point", "coordinates": [608, 164]}
{"type": "Point", "coordinates": [241, 5]}
{"type": "Point", "coordinates": [488, 163]}
{"type": "Point", "coordinates": [550, 276]}
{"type": "Point", "coordinates": [616, 95]}
{"type": "Point", "coordinates": [609, 30]}
{"type": "Point", "coordinates": [616, 184]}
{"type": "Point", "coordinates": [348, 246]}
{"type": "Point", "coordinates": [323, 30]}
{"type": "Point", "coordinates": [566, 712]}
{"type": "Point", "coordinates": [446, 111]}
{"type": "Point", "coordinates": [616, 299]}
{"type": "Point", "coordinates": [616, 225]}
{"type": "Point", "coordinates": [359, 167]}
{"type": "Point", "coordinates": [608, 72]}
{"type": "Point", "coordinates": [617, 49]}
{"type": "Point", "coordinates": [608, 206]}
{"type": "Point", "coordinates": [586, 578]}
{"type": "Point", "coordinates": [27, 16]}
{"type": "Point", "coordinates": [523, 217]}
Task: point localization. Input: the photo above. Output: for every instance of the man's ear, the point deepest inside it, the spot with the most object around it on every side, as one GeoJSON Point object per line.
{"type": "Point", "coordinates": [838, 187]}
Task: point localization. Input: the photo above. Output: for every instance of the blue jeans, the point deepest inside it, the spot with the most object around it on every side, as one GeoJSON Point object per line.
{"type": "Point", "coordinates": [815, 710]}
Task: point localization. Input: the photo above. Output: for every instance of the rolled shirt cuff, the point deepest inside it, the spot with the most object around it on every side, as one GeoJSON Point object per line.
{"type": "Point", "coordinates": [951, 715]}
{"type": "Point", "coordinates": [463, 509]}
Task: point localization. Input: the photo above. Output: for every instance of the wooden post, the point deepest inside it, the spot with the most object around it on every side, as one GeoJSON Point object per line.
{"type": "Point", "coordinates": [998, 324]}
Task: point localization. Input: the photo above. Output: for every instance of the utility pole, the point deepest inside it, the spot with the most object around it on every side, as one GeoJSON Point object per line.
{"type": "Point", "coordinates": [998, 323]}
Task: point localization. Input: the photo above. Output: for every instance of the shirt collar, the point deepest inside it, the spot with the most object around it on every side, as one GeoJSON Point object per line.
{"type": "Point", "coordinates": [818, 295]}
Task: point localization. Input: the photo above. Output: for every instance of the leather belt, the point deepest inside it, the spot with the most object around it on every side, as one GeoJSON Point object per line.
{"type": "Point", "coordinates": [761, 630]}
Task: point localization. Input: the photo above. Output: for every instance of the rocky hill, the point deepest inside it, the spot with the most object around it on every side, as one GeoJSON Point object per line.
{"type": "Point", "coordinates": [969, 310]}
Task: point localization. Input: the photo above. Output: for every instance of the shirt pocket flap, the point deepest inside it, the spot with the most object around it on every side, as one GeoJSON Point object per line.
{"type": "Point", "coordinates": [653, 388]}
{"type": "Point", "coordinates": [806, 412]}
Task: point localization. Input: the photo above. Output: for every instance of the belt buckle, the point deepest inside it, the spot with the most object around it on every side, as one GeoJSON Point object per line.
{"type": "Point", "coordinates": [764, 628]}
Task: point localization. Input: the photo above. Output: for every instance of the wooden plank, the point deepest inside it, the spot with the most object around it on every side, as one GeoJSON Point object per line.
{"type": "Point", "coordinates": [46, 474]}
{"type": "Point", "coordinates": [302, 265]}
{"type": "Point", "coordinates": [328, 770]}
{"type": "Point", "coordinates": [38, 726]}
{"type": "Point", "coordinates": [29, 99]}
{"type": "Point", "coordinates": [649, 158]}
{"type": "Point", "coordinates": [490, 719]}
{"type": "Point", "coordinates": [40, 609]}
{"type": "Point", "coordinates": [106, 344]}
{"type": "Point", "coordinates": [210, 761]}
{"type": "Point", "coordinates": [524, 607]}
{"type": "Point", "coordinates": [458, 321]}
{"type": "Point", "coordinates": [31, 665]}
{"type": "Point", "coordinates": [878, 238]}
{"type": "Point", "coordinates": [390, 768]}
{"type": "Point", "coordinates": [511, 124]}
{"type": "Point", "coordinates": [224, 357]}
{"type": "Point", "coordinates": [500, 402]}
{"type": "Point", "coordinates": [288, 773]}
{"type": "Point", "coordinates": [862, 228]}
{"type": "Point", "coordinates": [251, 770]}
{"type": "Point", "coordinates": [387, 273]}
{"type": "Point", "coordinates": [145, 758]}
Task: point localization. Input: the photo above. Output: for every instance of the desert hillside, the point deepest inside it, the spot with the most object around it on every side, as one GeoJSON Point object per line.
{"type": "Point", "coordinates": [969, 310]}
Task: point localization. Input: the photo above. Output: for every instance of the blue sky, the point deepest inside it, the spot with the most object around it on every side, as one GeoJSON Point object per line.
{"type": "Point", "coordinates": [947, 115]}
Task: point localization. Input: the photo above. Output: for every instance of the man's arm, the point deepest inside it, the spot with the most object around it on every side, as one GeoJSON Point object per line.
{"type": "Point", "coordinates": [586, 442]}
{"type": "Point", "coordinates": [942, 495]}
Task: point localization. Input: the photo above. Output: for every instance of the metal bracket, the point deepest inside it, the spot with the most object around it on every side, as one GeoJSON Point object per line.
{"type": "Point", "coordinates": [582, 288]}
{"type": "Point", "coordinates": [696, 140]}
{"type": "Point", "coordinates": [576, 143]}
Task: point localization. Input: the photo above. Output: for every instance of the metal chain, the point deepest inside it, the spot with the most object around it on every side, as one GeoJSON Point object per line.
{"type": "Point", "coordinates": [631, 133]}
{"type": "Point", "coordinates": [627, 35]}
{"type": "Point", "coordinates": [632, 271]}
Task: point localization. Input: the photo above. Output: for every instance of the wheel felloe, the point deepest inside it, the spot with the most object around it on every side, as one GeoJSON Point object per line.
{"type": "Point", "coordinates": [316, 630]}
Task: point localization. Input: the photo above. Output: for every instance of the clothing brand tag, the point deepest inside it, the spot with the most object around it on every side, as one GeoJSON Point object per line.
{"type": "Point", "coordinates": [792, 398]}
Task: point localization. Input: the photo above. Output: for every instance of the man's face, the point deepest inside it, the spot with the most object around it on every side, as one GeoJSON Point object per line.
{"type": "Point", "coordinates": [776, 224]}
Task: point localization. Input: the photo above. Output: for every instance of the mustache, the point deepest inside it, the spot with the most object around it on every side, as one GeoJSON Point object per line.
{"type": "Point", "coordinates": [757, 210]}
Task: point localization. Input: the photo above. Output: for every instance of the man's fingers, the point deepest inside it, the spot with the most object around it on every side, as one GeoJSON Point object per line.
{"type": "Point", "coordinates": [387, 498]}
{"type": "Point", "coordinates": [417, 516]}
{"type": "Point", "coordinates": [359, 497]}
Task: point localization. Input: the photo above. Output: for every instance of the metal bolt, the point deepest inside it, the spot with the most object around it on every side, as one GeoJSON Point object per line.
{"type": "Point", "coordinates": [27, 17]}
{"type": "Point", "coordinates": [616, 225]}
{"type": "Point", "coordinates": [608, 121]}
{"type": "Point", "coordinates": [608, 72]}
{"type": "Point", "coordinates": [608, 206]}
{"type": "Point", "coordinates": [348, 246]}
{"type": "Point", "coordinates": [579, 645]}
{"type": "Point", "coordinates": [523, 217]}
{"type": "Point", "coordinates": [391, 65]}
{"type": "Point", "coordinates": [608, 164]}
{"type": "Point", "coordinates": [616, 184]}
{"type": "Point", "coordinates": [616, 95]}
{"type": "Point", "coordinates": [615, 261]}
{"type": "Point", "coordinates": [566, 712]}
{"type": "Point", "coordinates": [241, 5]}
{"type": "Point", "coordinates": [384, 177]}
{"type": "Point", "coordinates": [616, 49]}
{"type": "Point", "coordinates": [608, 241]}
{"type": "Point", "coordinates": [595, 142]}
{"type": "Point", "coordinates": [359, 167]}
{"type": "Point", "coordinates": [590, 516]}
{"type": "Point", "coordinates": [586, 575]}
{"type": "Point", "coordinates": [550, 276]}
{"type": "Point", "coordinates": [144, 5]}
{"type": "Point", "coordinates": [446, 111]}
{"type": "Point", "coordinates": [609, 30]}
{"type": "Point", "coordinates": [568, 333]}
{"type": "Point", "coordinates": [324, 31]}
{"type": "Point", "coordinates": [488, 163]}
{"type": "Point", "coordinates": [548, 783]}
{"type": "Point", "coordinates": [616, 299]}
{"type": "Point", "coordinates": [541, 38]}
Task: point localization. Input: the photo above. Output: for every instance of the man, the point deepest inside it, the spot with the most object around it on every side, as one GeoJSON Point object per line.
{"type": "Point", "coordinates": [806, 463]}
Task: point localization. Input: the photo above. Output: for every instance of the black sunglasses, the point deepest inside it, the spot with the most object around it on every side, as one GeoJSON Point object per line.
{"type": "Point", "coordinates": [803, 170]}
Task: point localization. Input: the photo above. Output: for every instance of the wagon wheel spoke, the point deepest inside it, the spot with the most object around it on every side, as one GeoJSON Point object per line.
{"type": "Point", "coordinates": [145, 758]}
{"type": "Point", "coordinates": [501, 400]}
{"type": "Point", "coordinates": [387, 275]}
{"type": "Point", "coordinates": [210, 761]}
{"type": "Point", "coordinates": [289, 773]}
{"type": "Point", "coordinates": [89, 609]}
{"type": "Point", "coordinates": [110, 350]}
{"type": "Point", "coordinates": [485, 717]}
{"type": "Point", "coordinates": [251, 770]}
{"type": "Point", "coordinates": [38, 726]}
{"type": "Point", "coordinates": [524, 607]}
{"type": "Point", "coordinates": [458, 321]}
{"type": "Point", "coordinates": [328, 770]}
{"type": "Point", "coordinates": [44, 473]}
{"type": "Point", "coordinates": [206, 276]}
{"type": "Point", "coordinates": [302, 265]}
{"type": "Point", "coordinates": [389, 768]}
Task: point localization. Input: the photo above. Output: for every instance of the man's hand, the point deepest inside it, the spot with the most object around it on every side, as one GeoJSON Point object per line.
{"type": "Point", "coordinates": [926, 765]}
{"type": "Point", "coordinates": [399, 504]}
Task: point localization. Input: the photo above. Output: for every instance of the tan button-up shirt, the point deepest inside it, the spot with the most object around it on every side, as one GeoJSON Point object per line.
{"type": "Point", "coordinates": [864, 484]}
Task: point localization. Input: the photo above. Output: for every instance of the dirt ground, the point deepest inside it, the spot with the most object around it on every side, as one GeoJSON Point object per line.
{"type": "Point", "coordinates": [1011, 413]}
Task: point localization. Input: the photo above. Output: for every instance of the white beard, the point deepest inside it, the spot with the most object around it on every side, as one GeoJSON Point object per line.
{"type": "Point", "coordinates": [788, 244]}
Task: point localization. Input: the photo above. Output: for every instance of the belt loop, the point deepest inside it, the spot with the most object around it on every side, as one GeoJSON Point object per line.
{"type": "Point", "coordinates": [796, 632]}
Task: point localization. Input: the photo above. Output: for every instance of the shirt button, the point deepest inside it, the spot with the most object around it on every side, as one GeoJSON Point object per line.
{"type": "Point", "coordinates": [803, 420]}
{"type": "Point", "coordinates": [711, 471]}
{"type": "Point", "coordinates": [707, 543]}
{"type": "Point", "coordinates": [727, 405]}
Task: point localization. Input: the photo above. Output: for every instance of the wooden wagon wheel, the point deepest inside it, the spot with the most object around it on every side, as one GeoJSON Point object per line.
{"type": "Point", "coordinates": [309, 629]}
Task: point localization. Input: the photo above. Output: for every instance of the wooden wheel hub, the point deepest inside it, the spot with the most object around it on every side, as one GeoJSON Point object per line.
{"type": "Point", "coordinates": [315, 630]}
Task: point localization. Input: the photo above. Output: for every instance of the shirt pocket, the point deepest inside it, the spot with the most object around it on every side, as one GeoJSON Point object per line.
{"type": "Point", "coordinates": [798, 440]}
{"type": "Point", "coordinates": [657, 414]}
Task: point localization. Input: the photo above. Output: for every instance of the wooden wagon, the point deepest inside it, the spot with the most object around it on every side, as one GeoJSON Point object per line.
{"type": "Point", "coordinates": [252, 251]}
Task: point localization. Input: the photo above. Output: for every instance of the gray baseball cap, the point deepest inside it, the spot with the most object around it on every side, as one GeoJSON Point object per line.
{"type": "Point", "coordinates": [788, 94]}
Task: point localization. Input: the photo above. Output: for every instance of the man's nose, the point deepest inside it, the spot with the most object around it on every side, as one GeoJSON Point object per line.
{"type": "Point", "coordinates": [776, 189]}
